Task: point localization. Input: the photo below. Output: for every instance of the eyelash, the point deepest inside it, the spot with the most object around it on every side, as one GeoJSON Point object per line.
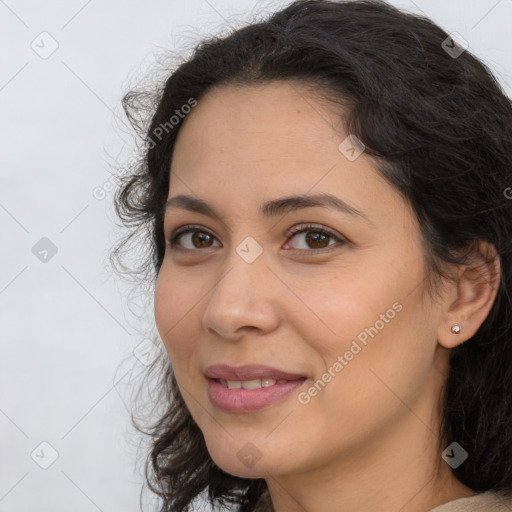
{"type": "Point", "coordinates": [299, 229]}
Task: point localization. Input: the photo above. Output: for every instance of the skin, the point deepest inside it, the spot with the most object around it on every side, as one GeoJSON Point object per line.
{"type": "Point", "coordinates": [368, 440]}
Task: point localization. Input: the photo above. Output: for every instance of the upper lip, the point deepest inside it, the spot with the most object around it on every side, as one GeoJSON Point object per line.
{"type": "Point", "coordinates": [248, 372]}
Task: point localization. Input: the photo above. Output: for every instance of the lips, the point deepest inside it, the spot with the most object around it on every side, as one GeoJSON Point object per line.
{"type": "Point", "coordinates": [250, 372]}
{"type": "Point", "coordinates": [251, 384]}
{"type": "Point", "coordinates": [249, 388]}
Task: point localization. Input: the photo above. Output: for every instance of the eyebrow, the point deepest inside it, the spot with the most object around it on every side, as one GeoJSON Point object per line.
{"type": "Point", "coordinates": [272, 208]}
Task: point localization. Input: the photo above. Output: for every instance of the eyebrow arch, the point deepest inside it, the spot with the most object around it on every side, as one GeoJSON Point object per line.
{"type": "Point", "coordinates": [272, 208]}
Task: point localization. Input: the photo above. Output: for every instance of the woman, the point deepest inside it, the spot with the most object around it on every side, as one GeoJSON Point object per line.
{"type": "Point", "coordinates": [325, 195]}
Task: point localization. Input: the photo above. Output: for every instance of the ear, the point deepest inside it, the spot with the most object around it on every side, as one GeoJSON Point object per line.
{"type": "Point", "coordinates": [473, 295]}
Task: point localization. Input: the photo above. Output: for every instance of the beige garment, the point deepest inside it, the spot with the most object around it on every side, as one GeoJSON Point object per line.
{"type": "Point", "coordinates": [490, 501]}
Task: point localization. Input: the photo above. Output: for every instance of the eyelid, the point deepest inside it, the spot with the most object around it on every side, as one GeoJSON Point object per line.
{"type": "Point", "coordinates": [292, 232]}
{"type": "Point", "coordinates": [301, 228]}
{"type": "Point", "coordinates": [187, 229]}
{"type": "Point", "coordinates": [304, 228]}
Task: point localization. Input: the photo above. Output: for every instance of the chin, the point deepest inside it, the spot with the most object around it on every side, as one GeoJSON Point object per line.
{"type": "Point", "coordinates": [245, 462]}
{"type": "Point", "coordinates": [240, 471]}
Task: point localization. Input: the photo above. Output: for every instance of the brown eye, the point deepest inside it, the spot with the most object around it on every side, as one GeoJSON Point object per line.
{"type": "Point", "coordinates": [315, 238]}
{"type": "Point", "coordinates": [197, 238]}
{"type": "Point", "coordinates": [201, 239]}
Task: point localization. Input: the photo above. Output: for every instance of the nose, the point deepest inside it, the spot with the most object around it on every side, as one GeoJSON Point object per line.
{"type": "Point", "coordinates": [244, 299]}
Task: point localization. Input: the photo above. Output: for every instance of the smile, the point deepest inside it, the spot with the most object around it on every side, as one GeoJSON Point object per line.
{"type": "Point", "coordinates": [250, 395]}
{"type": "Point", "coordinates": [250, 384]}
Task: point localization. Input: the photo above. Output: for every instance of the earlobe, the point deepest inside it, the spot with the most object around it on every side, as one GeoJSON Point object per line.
{"type": "Point", "coordinates": [476, 290]}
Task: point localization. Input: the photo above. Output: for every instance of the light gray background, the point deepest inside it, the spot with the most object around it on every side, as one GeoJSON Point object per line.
{"type": "Point", "coordinates": [67, 331]}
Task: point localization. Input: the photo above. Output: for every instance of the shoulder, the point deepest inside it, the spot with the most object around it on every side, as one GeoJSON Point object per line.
{"type": "Point", "coordinates": [490, 501]}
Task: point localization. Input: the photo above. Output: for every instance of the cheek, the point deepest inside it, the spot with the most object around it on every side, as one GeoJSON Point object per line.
{"type": "Point", "coordinates": [174, 307]}
{"type": "Point", "coordinates": [382, 340]}
{"type": "Point", "coordinates": [347, 307]}
{"type": "Point", "coordinates": [370, 321]}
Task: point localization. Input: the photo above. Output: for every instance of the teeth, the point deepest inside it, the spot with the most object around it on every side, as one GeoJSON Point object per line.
{"type": "Point", "coordinates": [250, 384]}
{"type": "Point", "coordinates": [267, 382]}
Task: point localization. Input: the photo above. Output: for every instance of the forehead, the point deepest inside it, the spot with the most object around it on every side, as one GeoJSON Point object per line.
{"type": "Point", "coordinates": [258, 122]}
{"type": "Point", "coordinates": [245, 144]}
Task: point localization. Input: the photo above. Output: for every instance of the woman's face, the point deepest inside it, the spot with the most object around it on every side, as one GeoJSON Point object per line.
{"type": "Point", "coordinates": [344, 313]}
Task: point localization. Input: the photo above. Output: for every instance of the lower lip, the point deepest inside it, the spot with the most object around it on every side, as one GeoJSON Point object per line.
{"type": "Point", "coordinates": [249, 400]}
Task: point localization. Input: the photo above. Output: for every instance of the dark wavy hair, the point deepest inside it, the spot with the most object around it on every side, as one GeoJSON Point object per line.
{"type": "Point", "coordinates": [439, 128]}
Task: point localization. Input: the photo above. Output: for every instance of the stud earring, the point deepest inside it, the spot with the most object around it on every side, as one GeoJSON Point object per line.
{"type": "Point", "coordinates": [455, 329]}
